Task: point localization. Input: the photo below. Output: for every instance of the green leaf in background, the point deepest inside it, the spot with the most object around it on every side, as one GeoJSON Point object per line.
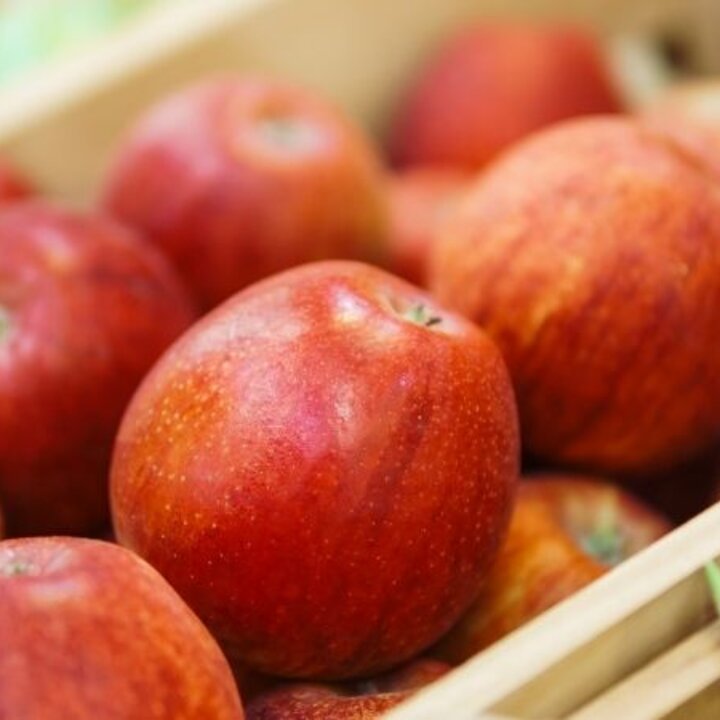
{"type": "Point", "coordinates": [36, 31]}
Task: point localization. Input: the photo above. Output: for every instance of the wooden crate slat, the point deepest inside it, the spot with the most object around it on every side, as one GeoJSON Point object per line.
{"type": "Point", "coordinates": [666, 684]}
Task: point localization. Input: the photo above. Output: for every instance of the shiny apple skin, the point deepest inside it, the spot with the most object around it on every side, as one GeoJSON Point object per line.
{"type": "Point", "coordinates": [493, 84]}
{"type": "Point", "coordinates": [322, 479]}
{"type": "Point", "coordinates": [420, 200]}
{"type": "Point", "coordinates": [566, 532]}
{"type": "Point", "coordinates": [364, 700]}
{"type": "Point", "coordinates": [590, 255]}
{"type": "Point", "coordinates": [242, 177]}
{"type": "Point", "coordinates": [86, 309]}
{"type": "Point", "coordinates": [91, 631]}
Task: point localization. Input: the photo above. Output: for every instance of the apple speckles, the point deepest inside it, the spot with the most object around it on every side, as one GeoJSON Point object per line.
{"type": "Point", "coordinates": [83, 292]}
{"type": "Point", "coordinates": [603, 305]}
{"type": "Point", "coordinates": [55, 663]}
{"type": "Point", "coordinates": [327, 462]}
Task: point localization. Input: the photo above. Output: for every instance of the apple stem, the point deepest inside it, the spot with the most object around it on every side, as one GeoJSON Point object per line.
{"type": "Point", "coordinates": [605, 545]}
{"type": "Point", "coordinates": [712, 574]}
{"type": "Point", "coordinates": [605, 542]}
{"type": "Point", "coordinates": [418, 314]}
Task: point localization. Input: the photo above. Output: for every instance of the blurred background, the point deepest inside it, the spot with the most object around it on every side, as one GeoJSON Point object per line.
{"type": "Point", "coordinates": [33, 32]}
{"type": "Point", "coordinates": [74, 73]}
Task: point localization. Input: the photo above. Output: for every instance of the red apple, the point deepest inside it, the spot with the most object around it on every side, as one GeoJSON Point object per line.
{"type": "Point", "coordinates": [362, 700]}
{"type": "Point", "coordinates": [323, 468]}
{"type": "Point", "coordinates": [85, 309]}
{"type": "Point", "coordinates": [90, 631]}
{"type": "Point", "coordinates": [13, 186]}
{"type": "Point", "coordinates": [420, 199]}
{"type": "Point", "coordinates": [239, 178]}
{"type": "Point", "coordinates": [493, 84]}
{"type": "Point", "coordinates": [566, 532]}
{"type": "Point", "coordinates": [591, 255]}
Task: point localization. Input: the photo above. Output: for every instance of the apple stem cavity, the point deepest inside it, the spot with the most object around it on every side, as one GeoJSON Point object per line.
{"type": "Point", "coordinates": [288, 134]}
{"type": "Point", "coordinates": [420, 316]}
{"type": "Point", "coordinates": [605, 542]}
{"type": "Point", "coordinates": [712, 574]}
{"type": "Point", "coordinates": [16, 567]}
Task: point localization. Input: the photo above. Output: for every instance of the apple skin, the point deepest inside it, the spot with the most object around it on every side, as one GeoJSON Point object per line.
{"type": "Point", "coordinates": [239, 178]}
{"type": "Point", "coordinates": [363, 700]}
{"type": "Point", "coordinates": [91, 631]}
{"type": "Point", "coordinates": [590, 255]}
{"type": "Point", "coordinates": [566, 531]}
{"type": "Point", "coordinates": [13, 186]}
{"type": "Point", "coordinates": [491, 85]}
{"type": "Point", "coordinates": [344, 472]}
{"type": "Point", "coordinates": [420, 200]}
{"type": "Point", "coordinates": [85, 309]}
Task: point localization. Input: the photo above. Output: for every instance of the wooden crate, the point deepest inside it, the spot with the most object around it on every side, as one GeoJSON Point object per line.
{"type": "Point", "coordinates": [642, 642]}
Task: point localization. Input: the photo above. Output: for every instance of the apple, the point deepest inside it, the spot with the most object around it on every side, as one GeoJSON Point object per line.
{"type": "Point", "coordinates": [85, 309]}
{"type": "Point", "coordinates": [13, 186]}
{"type": "Point", "coordinates": [420, 200]}
{"type": "Point", "coordinates": [566, 531]}
{"type": "Point", "coordinates": [492, 84]}
{"type": "Point", "coordinates": [361, 700]}
{"type": "Point", "coordinates": [91, 631]}
{"type": "Point", "coordinates": [324, 468]}
{"type": "Point", "coordinates": [239, 178]}
{"type": "Point", "coordinates": [590, 255]}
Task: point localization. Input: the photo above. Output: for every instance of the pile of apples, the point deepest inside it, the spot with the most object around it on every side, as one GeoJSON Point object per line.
{"type": "Point", "coordinates": [299, 379]}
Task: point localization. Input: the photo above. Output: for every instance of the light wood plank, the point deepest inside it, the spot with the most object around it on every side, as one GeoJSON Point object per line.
{"type": "Point", "coordinates": [665, 685]}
